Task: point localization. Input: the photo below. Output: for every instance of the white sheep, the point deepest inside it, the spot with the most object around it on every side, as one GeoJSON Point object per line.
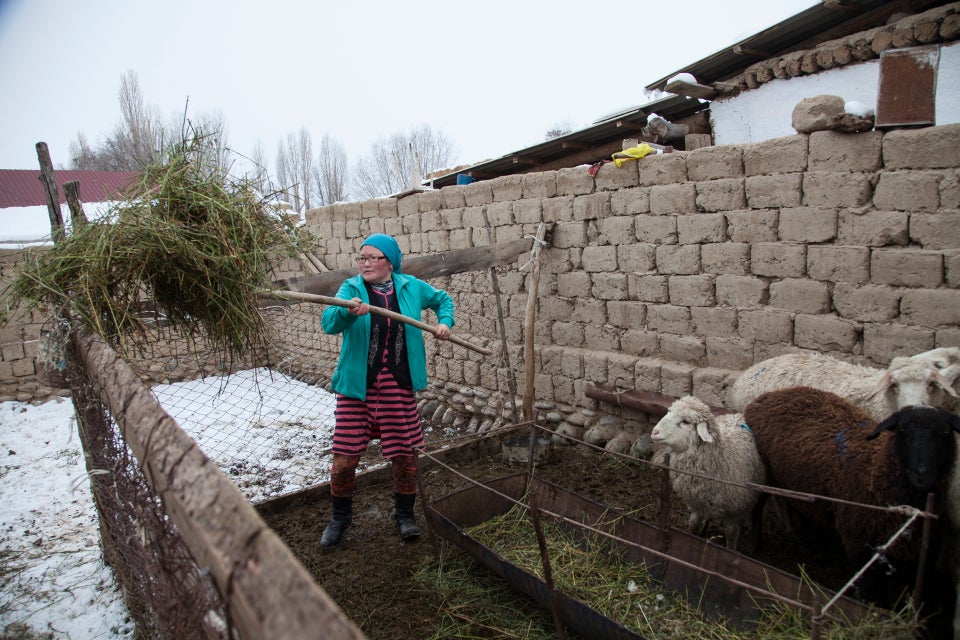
{"type": "Point", "coordinates": [878, 391]}
{"type": "Point", "coordinates": [715, 446]}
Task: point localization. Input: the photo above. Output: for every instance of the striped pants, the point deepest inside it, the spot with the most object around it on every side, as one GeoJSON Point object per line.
{"type": "Point", "coordinates": [390, 414]}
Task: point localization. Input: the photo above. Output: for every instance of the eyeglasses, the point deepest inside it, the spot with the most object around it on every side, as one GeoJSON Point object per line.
{"type": "Point", "coordinates": [370, 259]}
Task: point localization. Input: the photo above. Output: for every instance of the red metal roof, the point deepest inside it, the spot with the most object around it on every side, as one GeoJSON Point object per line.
{"type": "Point", "coordinates": [22, 187]}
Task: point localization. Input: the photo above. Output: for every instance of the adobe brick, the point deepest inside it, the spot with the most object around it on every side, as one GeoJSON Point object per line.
{"type": "Point", "coordinates": [430, 221]}
{"type": "Point", "coordinates": [872, 228]}
{"type": "Point", "coordinates": [650, 288]}
{"type": "Point", "coordinates": [479, 193]}
{"type": "Point", "coordinates": [617, 230]}
{"type": "Point", "coordinates": [908, 190]}
{"type": "Point", "coordinates": [926, 148]}
{"type": "Point", "coordinates": [656, 229]}
{"type": "Point", "coordinates": [666, 168]}
{"type": "Point", "coordinates": [429, 200]}
{"type": "Point", "coordinates": [569, 234]}
{"type": "Point", "coordinates": [772, 326]}
{"type": "Point", "coordinates": [529, 211]}
{"type": "Point", "coordinates": [839, 264]}
{"type": "Point", "coordinates": [808, 224]}
{"type": "Point", "coordinates": [950, 189]}
{"type": "Point", "coordinates": [542, 184]}
{"type": "Point", "coordinates": [452, 196]}
{"type": "Point", "coordinates": [834, 151]}
{"type": "Point", "coordinates": [752, 226]}
{"type": "Point", "coordinates": [610, 286]}
{"type": "Point", "coordinates": [573, 181]}
{"type": "Point", "coordinates": [688, 349]}
{"type": "Point", "coordinates": [595, 367]}
{"type": "Point", "coordinates": [883, 342]}
{"type": "Point", "coordinates": [721, 195]}
{"type": "Point", "coordinates": [741, 291]}
{"type": "Point", "coordinates": [697, 228]}
{"type": "Point", "coordinates": [800, 295]}
{"type": "Point", "coordinates": [833, 189]}
{"type": "Point", "coordinates": [714, 162]}
{"type": "Point", "coordinates": [776, 156]}
{"type": "Point", "coordinates": [568, 334]}
{"type": "Point", "coordinates": [825, 333]}
{"type": "Point", "coordinates": [778, 259]}
{"type": "Point", "coordinates": [678, 259]}
{"type": "Point", "coordinates": [946, 337]}
{"type": "Point", "coordinates": [573, 284]}
{"type": "Point", "coordinates": [729, 353]}
{"type": "Point", "coordinates": [599, 258]}
{"type": "Point", "coordinates": [691, 291]}
{"type": "Point", "coordinates": [936, 230]}
{"type": "Point", "coordinates": [951, 266]}
{"type": "Point", "coordinates": [555, 308]}
{"type": "Point", "coordinates": [906, 268]}
{"type": "Point", "coordinates": [710, 384]}
{"type": "Point", "coordinates": [611, 177]}
{"type": "Point", "coordinates": [602, 338]}
{"type": "Point", "coordinates": [558, 209]}
{"type": "Point", "coordinates": [714, 321]}
{"type": "Point", "coordinates": [767, 192]}
{"type": "Point", "coordinates": [640, 343]}
{"type": "Point", "coordinates": [867, 303]}
{"type": "Point", "coordinates": [636, 258]}
{"type": "Point", "coordinates": [627, 314]}
{"type": "Point", "coordinates": [673, 198]}
{"type": "Point", "coordinates": [675, 379]}
{"type": "Point", "coordinates": [725, 258]}
{"type": "Point", "coordinates": [591, 207]}
{"type": "Point", "coordinates": [507, 188]}
{"type": "Point", "coordinates": [665, 318]}
{"type": "Point", "coordinates": [620, 369]}
{"type": "Point", "coordinates": [931, 307]}
{"type": "Point", "coordinates": [630, 201]}
{"type": "Point", "coordinates": [405, 207]}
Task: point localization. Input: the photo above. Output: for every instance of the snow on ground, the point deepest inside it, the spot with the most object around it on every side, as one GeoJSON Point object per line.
{"type": "Point", "coordinates": [52, 575]}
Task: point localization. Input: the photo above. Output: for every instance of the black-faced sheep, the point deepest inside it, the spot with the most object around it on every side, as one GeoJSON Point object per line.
{"type": "Point", "coordinates": [814, 441]}
{"type": "Point", "coordinates": [879, 391]}
{"type": "Point", "coordinates": [716, 446]}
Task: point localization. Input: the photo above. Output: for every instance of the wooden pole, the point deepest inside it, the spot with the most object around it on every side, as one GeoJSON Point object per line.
{"type": "Point", "coordinates": [72, 191]}
{"type": "Point", "coordinates": [504, 349]}
{"type": "Point", "coordinates": [350, 304]}
{"type": "Point", "coordinates": [50, 188]}
{"type": "Point", "coordinates": [529, 326]}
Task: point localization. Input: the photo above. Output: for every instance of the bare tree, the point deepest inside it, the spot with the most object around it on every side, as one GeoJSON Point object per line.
{"type": "Point", "coordinates": [294, 162]}
{"type": "Point", "coordinates": [391, 165]}
{"type": "Point", "coordinates": [257, 174]}
{"type": "Point", "coordinates": [330, 172]}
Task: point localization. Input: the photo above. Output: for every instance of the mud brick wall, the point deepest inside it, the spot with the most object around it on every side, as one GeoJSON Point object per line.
{"type": "Point", "coordinates": [674, 273]}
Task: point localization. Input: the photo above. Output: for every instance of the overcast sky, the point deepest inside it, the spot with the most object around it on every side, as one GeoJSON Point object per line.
{"type": "Point", "coordinates": [492, 76]}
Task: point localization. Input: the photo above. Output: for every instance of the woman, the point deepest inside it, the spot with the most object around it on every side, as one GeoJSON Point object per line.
{"type": "Point", "coordinates": [382, 364]}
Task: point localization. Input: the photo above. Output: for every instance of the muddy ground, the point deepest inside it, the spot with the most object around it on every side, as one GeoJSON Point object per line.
{"type": "Point", "coordinates": [369, 576]}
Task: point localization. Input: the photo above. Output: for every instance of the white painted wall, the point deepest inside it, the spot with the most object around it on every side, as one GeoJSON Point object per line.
{"type": "Point", "coordinates": [766, 112]}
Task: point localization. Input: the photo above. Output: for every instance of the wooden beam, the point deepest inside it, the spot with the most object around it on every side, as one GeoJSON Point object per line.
{"type": "Point", "coordinates": [524, 160]}
{"type": "Point", "coordinates": [747, 51]}
{"type": "Point", "coordinates": [50, 189]}
{"type": "Point", "coordinates": [424, 267]}
{"type": "Point", "coordinates": [632, 126]}
{"type": "Point", "coordinates": [691, 90]}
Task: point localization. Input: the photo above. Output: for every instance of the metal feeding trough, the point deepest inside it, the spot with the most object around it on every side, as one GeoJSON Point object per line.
{"type": "Point", "coordinates": [677, 559]}
{"type": "Point", "coordinates": [517, 450]}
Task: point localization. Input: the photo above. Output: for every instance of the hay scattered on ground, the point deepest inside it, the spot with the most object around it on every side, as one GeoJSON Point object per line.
{"type": "Point", "coordinates": [187, 239]}
{"type": "Point", "coordinates": [595, 573]}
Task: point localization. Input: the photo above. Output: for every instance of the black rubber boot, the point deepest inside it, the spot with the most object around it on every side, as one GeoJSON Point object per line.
{"type": "Point", "coordinates": [339, 522]}
{"type": "Point", "coordinates": [406, 522]}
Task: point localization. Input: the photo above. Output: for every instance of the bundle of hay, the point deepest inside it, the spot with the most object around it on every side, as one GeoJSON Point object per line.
{"type": "Point", "coordinates": [196, 244]}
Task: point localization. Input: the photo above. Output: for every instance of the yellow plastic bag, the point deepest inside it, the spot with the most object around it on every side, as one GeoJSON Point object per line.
{"type": "Point", "coordinates": [633, 153]}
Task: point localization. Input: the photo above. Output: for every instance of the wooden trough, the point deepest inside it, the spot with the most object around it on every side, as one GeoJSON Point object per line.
{"type": "Point", "coordinates": [724, 582]}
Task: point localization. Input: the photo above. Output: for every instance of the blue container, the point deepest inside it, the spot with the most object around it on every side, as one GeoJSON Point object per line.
{"type": "Point", "coordinates": [464, 179]}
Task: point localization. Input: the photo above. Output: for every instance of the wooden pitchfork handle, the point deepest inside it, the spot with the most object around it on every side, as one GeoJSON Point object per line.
{"type": "Point", "coordinates": [350, 304]}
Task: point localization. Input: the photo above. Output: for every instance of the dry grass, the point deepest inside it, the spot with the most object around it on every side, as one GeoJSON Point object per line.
{"type": "Point", "coordinates": [595, 573]}
{"type": "Point", "coordinates": [198, 244]}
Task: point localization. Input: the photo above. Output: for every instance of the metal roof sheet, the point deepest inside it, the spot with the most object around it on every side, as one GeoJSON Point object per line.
{"type": "Point", "coordinates": [22, 187]}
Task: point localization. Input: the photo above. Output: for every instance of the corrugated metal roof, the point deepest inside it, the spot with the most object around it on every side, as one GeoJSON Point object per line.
{"type": "Point", "coordinates": [820, 23]}
{"type": "Point", "coordinates": [22, 187]}
{"type": "Point", "coordinates": [613, 128]}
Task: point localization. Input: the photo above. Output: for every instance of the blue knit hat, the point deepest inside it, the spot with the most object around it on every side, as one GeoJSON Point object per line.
{"type": "Point", "coordinates": [388, 245]}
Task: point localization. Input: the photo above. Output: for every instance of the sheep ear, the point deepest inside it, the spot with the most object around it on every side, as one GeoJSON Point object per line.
{"type": "Point", "coordinates": [950, 373]}
{"type": "Point", "coordinates": [945, 383]}
{"type": "Point", "coordinates": [890, 424]}
{"type": "Point", "coordinates": [703, 432]}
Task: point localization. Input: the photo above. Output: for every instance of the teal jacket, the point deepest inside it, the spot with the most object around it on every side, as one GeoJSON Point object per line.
{"type": "Point", "coordinates": [413, 295]}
